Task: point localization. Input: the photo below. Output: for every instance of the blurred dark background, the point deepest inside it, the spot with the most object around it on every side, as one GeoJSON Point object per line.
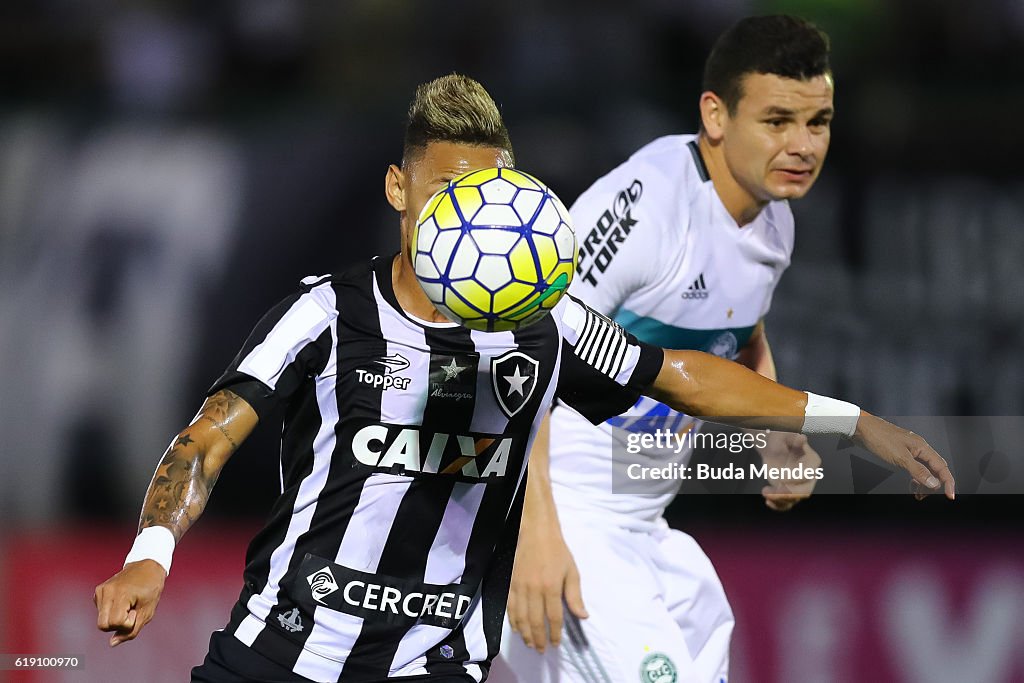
{"type": "Point", "coordinates": [169, 170]}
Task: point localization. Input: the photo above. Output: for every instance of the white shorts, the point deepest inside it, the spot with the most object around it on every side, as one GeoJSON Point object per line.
{"type": "Point", "coordinates": [658, 614]}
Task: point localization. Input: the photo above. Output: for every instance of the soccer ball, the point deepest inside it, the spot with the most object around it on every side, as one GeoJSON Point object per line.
{"type": "Point", "coordinates": [494, 250]}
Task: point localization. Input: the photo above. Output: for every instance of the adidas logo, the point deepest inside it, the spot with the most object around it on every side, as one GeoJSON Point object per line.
{"type": "Point", "coordinates": [698, 290]}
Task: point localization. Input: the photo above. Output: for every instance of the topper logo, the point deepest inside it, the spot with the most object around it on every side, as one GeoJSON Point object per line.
{"type": "Point", "coordinates": [394, 363]}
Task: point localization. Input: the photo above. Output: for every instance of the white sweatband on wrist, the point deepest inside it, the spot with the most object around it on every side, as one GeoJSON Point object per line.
{"type": "Point", "coordinates": [153, 543]}
{"type": "Point", "coordinates": [824, 415]}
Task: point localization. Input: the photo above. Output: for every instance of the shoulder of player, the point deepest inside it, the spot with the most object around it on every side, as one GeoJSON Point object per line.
{"type": "Point", "coordinates": [355, 273]}
{"type": "Point", "coordinates": [359, 275]}
{"type": "Point", "coordinates": [669, 172]}
{"type": "Point", "coordinates": [658, 157]}
{"type": "Point", "coordinates": [346, 283]}
{"type": "Point", "coordinates": [655, 173]}
{"type": "Point", "coordinates": [669, 156]}
{"type": "Point", "coordinates": [665, 149]}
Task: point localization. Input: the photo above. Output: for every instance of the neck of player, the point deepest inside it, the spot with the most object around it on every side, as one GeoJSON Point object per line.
{"type": "Point", "coordinates": [741, 205]}
{"type": "Point", "coordinates": [409, 293]}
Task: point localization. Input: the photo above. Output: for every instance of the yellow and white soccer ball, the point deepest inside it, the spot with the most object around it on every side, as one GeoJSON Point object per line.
{"type": "Point", "coordinates": [494, 250]}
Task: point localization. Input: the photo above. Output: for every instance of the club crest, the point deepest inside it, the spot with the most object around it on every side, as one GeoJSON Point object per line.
{"type": "Point", "coordinates": [514, 377]}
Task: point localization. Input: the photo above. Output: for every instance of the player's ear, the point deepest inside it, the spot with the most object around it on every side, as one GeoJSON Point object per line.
{"type": "Point", "coordinates": [394, 188]}
{"type": "Point", "coordinates": [712, 115]}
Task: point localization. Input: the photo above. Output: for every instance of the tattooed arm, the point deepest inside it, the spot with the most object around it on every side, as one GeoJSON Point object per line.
{"type": "Point", "coordinates": [185, 476]}
{"type": "Point", "coordinates": [176, 497]}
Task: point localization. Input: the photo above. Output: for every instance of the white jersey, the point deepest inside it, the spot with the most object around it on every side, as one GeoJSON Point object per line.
{"type": "Point", "coordinates": [660, 255]}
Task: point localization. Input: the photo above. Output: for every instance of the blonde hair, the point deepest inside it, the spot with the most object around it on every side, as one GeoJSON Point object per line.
{"type": "Point", "coordinates": [453, 108]}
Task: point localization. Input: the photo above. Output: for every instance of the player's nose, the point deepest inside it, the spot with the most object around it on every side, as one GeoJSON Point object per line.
{"type": "Point", "coordinates": [800, 142]}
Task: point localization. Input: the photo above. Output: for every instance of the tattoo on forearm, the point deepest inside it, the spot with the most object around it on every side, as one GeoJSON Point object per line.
{"type": "Point", "coordinates": [181, 486]}
{"type": "Point", "coordinates": [179, 491]}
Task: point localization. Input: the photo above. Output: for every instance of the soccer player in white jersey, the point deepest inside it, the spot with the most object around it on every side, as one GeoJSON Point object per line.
{"type": "Point", "coordinates": [682, 245]}
{"type": "Point", "coordinates": [388, 554]}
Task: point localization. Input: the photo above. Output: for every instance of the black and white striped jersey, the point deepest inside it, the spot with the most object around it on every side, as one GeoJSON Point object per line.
{"type": "Point", "coordinates": [390, 548]}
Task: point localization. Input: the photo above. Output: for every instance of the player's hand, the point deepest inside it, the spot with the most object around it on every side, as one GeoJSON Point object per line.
{"type": "Point", "coordinates": [785, 449]}
{"type": "Point", "coordinates": [544, 572]}
{"type": "Point", "coordinates": [906, 449]}
{"type": "Point", "coordinates": [126, 601]}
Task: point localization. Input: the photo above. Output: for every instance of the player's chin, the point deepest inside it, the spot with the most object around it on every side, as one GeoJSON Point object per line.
{"type": "Point", "coordinates": [791, 185]}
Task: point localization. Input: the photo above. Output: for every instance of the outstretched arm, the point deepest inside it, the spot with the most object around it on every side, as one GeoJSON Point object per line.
{"type": "Point", "coordinates": [176, 498]}
{"type": "Point", "coordinates": [705, 386]}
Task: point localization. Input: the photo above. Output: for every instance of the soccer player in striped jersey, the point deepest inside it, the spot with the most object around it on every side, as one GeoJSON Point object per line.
{"type": "Point", "coordinates": [683, 246]}
{"type": "Point", "coordinates": [388, 554]}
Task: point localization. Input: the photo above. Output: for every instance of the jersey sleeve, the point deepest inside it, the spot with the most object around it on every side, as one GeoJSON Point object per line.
{"type": "Point", "coordinates": [609, 218]}
{"type": "Point", "coordinates": [604, 369]}
{"type": "Point", "coordinates": [291, 343]}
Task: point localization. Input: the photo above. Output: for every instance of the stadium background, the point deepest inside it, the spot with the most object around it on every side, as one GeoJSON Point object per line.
{"type": "Point", "coordinates": [169, 170]}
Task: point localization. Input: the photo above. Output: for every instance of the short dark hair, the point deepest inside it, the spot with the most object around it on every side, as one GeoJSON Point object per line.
{"type": "Point", "coordinates": [453, 108]}
{"type": "Point", "coordinates": [782, 45]}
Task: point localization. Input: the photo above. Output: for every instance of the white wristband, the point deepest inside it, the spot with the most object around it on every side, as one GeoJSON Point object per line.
{"type": "Point", "coordinates": [824, 415]}
{"type": "Point", "coordinates": [153, 543]}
